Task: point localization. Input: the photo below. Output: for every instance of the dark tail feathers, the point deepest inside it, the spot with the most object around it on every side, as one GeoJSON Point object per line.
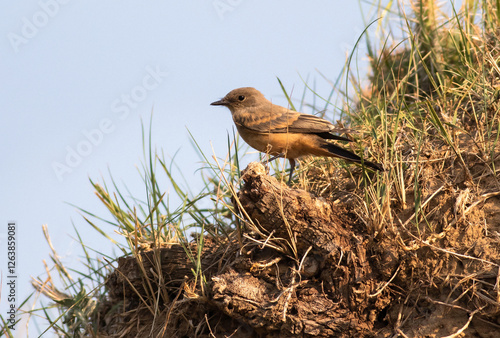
{"type": "Point", "coordinates": [347, 155]}
{"type": "Point", "coordinates": [330, 136]}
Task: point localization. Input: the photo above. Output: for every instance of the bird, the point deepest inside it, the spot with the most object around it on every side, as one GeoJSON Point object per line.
{"type": "Point", "coordinates": [284, 133]}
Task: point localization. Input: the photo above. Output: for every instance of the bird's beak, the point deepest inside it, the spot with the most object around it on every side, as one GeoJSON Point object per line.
{"type": "Point", "coordinates": [221, 102]}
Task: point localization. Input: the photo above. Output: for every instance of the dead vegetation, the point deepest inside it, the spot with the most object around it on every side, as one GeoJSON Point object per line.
{"type": "Point", "coordinates": [411, 252]}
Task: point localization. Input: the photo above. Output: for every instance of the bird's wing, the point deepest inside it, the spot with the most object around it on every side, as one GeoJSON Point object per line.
{"type": "Point", "coordinates": [310, 124]}
{"type": "Point", "coordinates": [282, 120]}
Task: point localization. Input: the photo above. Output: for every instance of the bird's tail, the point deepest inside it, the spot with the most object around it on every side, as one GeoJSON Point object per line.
{"type": "Point", "coordinates": [337, 151]}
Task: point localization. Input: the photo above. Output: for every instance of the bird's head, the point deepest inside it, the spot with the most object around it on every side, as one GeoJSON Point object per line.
{"type": "Point", "coordinates": [246, 97]}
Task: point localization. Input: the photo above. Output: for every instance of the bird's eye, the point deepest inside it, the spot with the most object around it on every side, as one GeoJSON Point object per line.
{"type": "Point", "coordinates": [241, 97]}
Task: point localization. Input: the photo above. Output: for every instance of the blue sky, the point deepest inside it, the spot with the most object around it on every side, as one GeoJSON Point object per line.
{"type": "Point", "coordinates": [78, 77]}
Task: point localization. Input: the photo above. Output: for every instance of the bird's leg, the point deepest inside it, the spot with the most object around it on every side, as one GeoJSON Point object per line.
{"type": "Point", "coordinates": [266, 161]}
{"type": "Point", "coordinates": [275, 157]}
{"type": "Point", "coordinates": [292, 164]}
{"type": "Point", "coordinates": [292, 167]}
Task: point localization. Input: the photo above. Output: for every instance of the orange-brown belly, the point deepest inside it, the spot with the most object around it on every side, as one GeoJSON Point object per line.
{"type": "Point", "coordinates": [291, 144]}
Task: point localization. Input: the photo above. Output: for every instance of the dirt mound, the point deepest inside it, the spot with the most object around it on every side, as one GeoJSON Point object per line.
{"type": "Point", "coordinates": [308, 266]}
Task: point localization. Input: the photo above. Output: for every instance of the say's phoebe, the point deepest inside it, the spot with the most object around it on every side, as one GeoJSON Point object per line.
{"type": "Point", "coordinates": [282, 132]}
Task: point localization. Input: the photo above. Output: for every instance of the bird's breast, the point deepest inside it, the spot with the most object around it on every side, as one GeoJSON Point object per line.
{"type": "Point", "coordinates": [293, 145]}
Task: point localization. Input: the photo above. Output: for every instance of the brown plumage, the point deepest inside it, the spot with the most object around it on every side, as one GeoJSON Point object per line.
{"type": "Point", "coordinates": [282, 132]}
